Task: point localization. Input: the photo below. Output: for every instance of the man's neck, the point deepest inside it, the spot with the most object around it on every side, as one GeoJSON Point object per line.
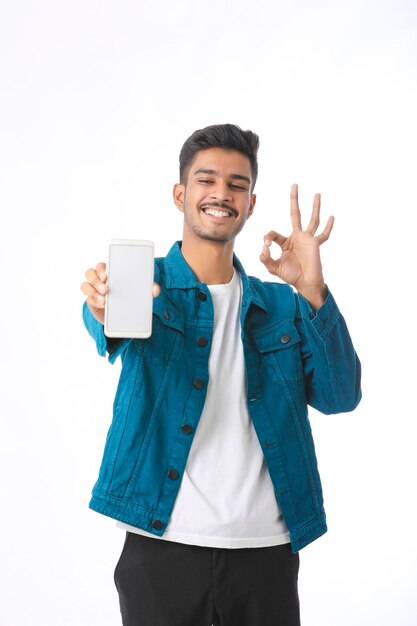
{"type": "Point", "coordinates": [211, 261]}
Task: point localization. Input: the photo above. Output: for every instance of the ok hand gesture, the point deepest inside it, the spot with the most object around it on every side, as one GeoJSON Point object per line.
{"type": "Point", "coordinates": [299, 264]}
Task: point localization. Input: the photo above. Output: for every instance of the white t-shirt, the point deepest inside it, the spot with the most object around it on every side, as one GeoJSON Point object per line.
{"type": "Point", "coordinates": [226, 498]}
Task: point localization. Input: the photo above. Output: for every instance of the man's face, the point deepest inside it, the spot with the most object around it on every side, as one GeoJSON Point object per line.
{"type": "Point", "coordinates": [217, 198]}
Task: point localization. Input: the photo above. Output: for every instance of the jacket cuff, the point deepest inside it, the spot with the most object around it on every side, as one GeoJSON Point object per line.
{"type": "Point", "coordinates": [114, 347]}
{"type": "Point", "coordinates": [95, 329]}
{"type": "Point", "coordinates": [325, 318]}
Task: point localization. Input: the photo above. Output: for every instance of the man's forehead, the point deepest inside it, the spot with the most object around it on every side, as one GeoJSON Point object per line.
{"type": "Point", "coordinates": [218, 161]}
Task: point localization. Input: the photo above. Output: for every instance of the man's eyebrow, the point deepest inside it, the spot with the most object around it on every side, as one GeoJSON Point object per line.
{"type": "Point", "coordinates": [240, 177]}
{"type": "Point", "coordinates": [204, 170]}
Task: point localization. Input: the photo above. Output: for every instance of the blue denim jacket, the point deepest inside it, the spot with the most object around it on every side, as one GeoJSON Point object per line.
{"type": "Point", "coordinates": [293, 357]}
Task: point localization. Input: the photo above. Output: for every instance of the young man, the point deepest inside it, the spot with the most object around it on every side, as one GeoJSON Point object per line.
{"type": "Point", "coordinates": [209, 463]}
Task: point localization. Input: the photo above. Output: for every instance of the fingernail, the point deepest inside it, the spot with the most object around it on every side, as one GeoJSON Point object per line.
{"type": "Point", "coordinates": [102, 288]}
{"type": "Point", "coordinates": [102, 276]}
{"type": "Point", "coordinates": [100, 298]}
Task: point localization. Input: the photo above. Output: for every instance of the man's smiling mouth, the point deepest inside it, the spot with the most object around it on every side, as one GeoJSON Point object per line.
{"type": "Point", "coordinates": [217, 211]}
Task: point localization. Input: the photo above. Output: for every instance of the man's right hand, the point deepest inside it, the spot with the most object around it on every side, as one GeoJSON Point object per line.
{"type": "Point", "coordinates": [95, 288]}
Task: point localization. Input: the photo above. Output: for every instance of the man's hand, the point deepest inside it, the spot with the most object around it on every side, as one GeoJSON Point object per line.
{"type": "Point", "coordinates": [299, 264]}
{"type": "Point", "coordinates": [96, 289]}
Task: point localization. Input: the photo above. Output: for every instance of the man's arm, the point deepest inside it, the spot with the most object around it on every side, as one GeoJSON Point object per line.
{"type": "Point", "coordinates": [332, 370]}
{"type": "Point", "coordinates": [331, 367]}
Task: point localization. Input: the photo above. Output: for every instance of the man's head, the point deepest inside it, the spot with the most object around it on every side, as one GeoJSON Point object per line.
{"type": "Point", "coordinates": [218, 168]}
{"type": "Point", "coordinates": [225, 136]}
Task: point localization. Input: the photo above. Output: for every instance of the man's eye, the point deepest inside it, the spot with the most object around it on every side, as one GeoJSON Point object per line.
{"type": "Point", "coordinates": [238, 187]}
{"type": "Point", "coordinates": [204, 180]}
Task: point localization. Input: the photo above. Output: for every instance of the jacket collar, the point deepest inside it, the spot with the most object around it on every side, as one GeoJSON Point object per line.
{"type": "Point", "coordinates": [179, 275]}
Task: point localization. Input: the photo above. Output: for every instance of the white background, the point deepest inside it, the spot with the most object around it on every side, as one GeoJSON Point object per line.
{"type": "Point", "coordinates": [96, 100]}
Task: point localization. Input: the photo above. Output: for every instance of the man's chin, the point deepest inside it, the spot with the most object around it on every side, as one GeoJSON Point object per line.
{"type": "Point", "coordinates": [213, 236]}
{"type": "Point", "coordinates": [216, 238]}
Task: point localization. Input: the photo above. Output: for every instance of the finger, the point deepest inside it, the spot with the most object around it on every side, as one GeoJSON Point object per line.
{"type": "Point", "coordinates": [294, 208]}
{"type": "Point", "coordinates": [94, 298]}
{"type": "Point", "coordinates": [276, 237]}
{"type": "Point", "coordinates": [271, 264]}
{"type": "Point", "coordinates": [101, 272]}
{"type": "Point", "coordinates": [315, 215]}
{"type": "Point", "coordinates": [326, 232]}
{"type": "Point", "coordinates": [156, 290]}
{"type": "Point", "coordinates": [93, 278]}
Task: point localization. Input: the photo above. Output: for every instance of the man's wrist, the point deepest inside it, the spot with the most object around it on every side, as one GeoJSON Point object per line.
{"type": "Point", "coordinates": [315, 295]}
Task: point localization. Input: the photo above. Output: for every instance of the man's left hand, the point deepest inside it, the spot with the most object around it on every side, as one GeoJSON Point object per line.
{"type": "Point", "coordinates": [299, 264]}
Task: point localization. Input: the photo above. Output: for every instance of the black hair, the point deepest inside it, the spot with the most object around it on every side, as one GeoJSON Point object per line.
{"type": "Point", "coordinates": [226, 136]}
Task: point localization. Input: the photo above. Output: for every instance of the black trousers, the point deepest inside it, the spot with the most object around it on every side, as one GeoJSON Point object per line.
{"type": "Point", "coordinates": [163, 583]}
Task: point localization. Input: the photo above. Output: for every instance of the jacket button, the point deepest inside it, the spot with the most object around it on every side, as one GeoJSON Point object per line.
{"type": "Point", "coordinates": [285, 339]}
{"type": "Point", "coordinates": [173, 474]}
{"type": "Point", "coordinates": [157, 524]}
{"type": "Point", "coordinates": [186, 429]}
{"type": "Point", "coordinates": [198, 383]}
{"type": "Point", "coordinates": [202, 295]}
{"type": "Point", "coordinates": [202, 341]}
{"type": "Point", "coordinates": [167, 314]}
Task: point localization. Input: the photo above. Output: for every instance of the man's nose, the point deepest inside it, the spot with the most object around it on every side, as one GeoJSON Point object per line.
{"type": "Point", "coordinates": [221, 192]}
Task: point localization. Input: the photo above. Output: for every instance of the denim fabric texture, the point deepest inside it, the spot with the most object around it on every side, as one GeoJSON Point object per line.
{"type": "Point", "coordinates": [294, 357]}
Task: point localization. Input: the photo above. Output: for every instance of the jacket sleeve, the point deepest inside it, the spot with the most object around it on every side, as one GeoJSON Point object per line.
{"type": "Point", "coordinates": [105, 345]}
{"type": "Point", "coordinates": [332, 369]}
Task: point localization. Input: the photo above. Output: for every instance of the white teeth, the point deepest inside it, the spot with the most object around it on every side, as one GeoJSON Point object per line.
{"type": "Point", "coordinates": [216, 213]}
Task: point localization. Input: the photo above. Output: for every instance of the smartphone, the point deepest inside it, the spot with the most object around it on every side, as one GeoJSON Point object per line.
{"type": "Point", "coordinates": [130, 273]}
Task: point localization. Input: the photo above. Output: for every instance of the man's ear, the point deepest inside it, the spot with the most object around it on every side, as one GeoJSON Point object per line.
{"type": "Point", "coordinates": [178, 195]}
{"type": "Point", "coordinates": [252, 204]}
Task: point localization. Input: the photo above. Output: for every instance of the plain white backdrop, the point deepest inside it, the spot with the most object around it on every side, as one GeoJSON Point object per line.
{"type": "Point", "coordinates": [97, 97]}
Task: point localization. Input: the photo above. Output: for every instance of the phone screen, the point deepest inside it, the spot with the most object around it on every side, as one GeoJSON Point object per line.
{"type": "Point", "coordinates": [130, 279]}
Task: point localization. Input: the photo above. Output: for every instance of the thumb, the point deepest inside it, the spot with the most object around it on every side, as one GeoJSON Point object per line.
{"type": "Point", "coordinates": [266, 253]}
{"type": "Point", "coordinates": [265, 257]}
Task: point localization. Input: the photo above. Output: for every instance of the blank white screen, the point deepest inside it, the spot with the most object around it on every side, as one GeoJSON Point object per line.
{"type": "Point", "coordinates": [130, 288]}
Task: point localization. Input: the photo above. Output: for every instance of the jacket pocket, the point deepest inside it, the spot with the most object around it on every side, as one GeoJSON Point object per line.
{"type": "Point", "coordinates": [164, 344]}
{"type": "Point", "coordinates": [280, 352]}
